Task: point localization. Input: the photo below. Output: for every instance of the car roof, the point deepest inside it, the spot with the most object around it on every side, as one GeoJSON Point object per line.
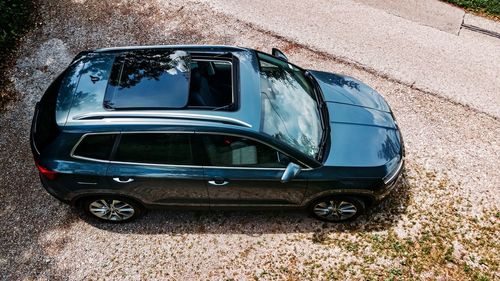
{"type": "Point", "coordinates": [81, 102]}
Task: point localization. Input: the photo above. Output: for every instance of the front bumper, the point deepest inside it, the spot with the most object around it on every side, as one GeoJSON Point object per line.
{"type": "Point", "coordinates": [391, 183]}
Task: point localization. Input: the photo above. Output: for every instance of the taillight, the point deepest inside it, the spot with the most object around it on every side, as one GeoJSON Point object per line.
{"type": "Point", "coordinates": [51, 175]}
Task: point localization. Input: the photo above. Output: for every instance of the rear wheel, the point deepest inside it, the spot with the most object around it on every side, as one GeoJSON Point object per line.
{"type": "Point", "coordinates": [337, 208]}
{"type": "Point", "coordinates": [112, 208]}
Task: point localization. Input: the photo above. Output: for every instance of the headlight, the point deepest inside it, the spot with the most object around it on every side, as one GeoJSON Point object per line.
{"type": "Point", "coordinates": [392, 175]}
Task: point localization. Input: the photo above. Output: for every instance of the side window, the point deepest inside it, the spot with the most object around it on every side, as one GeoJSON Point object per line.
{"type": "Point", "coordinates": [96, 146]}
{"type": "Point", "coordinates": [231, 151]}
{"type": "Point", "coordinates": [155, 148]}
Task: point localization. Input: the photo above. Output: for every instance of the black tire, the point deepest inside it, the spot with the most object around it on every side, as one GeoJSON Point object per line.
{"type": "Point", "coordinates": [334, 205]}
{"type": "Point", "coordinates": [118, 208]}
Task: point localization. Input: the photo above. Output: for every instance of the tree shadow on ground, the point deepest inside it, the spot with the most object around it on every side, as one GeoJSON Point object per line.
{"type": "Point", "coordinates": [33, 224]}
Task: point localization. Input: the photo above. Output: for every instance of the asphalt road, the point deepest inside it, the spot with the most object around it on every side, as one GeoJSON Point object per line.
{"type": "Point", "coordinates": [443, 223]}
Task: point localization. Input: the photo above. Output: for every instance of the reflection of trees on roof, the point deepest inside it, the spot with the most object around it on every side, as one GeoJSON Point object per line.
{"type": "Point", "coordinates": [84, 98]}
{"type": "Point", "coordinates": [130, 69]}
{"type": "Point", "coordinates": [67, 89]}
{"type": "Point", "coordinates": [95, 65]}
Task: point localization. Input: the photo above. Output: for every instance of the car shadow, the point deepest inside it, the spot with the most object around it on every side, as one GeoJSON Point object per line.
{"type": "Point", "coordinates": [255, 223]}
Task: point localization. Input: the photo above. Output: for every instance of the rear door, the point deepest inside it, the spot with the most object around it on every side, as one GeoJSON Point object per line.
{"type": "Point", "coordinates": [159, 168]}
{"type": "Point", "coordinates": [89, 174]}
{"type": "Point", "coordinates": [243, 172]}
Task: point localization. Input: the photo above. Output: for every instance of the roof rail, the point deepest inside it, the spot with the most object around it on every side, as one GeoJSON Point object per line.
{"type": "Point", "coordinates": [165, 115]}
{"type": "Point", "coordinates": [149, 47]}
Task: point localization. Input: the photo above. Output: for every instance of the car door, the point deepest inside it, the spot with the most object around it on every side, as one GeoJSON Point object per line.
{"type": "Point", "coordinates": [88, 173]}
{"type": "Point", "coordinates": [159, 168]}
{"type": "Point", "coordinates": [244, 172]}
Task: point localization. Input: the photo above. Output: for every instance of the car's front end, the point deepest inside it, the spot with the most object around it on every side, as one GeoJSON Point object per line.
{"type": "Point", "coordinates": [344, 127]}
{"type": "Point", "coordinates": [365, 139]}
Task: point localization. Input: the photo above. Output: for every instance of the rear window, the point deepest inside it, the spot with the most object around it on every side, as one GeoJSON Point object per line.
{"type": "Point", "coordinates": [149, 79]}
{"type": "Point", "coordinates": [155, 148]}
{"type": "Point", "coordinates": [44, 128]}
{"type": "Point", "coordinates": [97, 146]}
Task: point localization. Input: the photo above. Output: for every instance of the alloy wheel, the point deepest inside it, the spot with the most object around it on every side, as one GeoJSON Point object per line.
{"type": "Point", "coordinates": [111, 209]}
{"type": "Point", "coordinates": [333, 210]}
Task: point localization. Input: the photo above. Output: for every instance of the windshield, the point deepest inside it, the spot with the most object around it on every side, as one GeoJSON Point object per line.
{"type": "Point", "coordinates": [289, 110]}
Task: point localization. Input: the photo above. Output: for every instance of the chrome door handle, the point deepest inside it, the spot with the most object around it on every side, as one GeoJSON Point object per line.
{"type": "Point", "coordinates": [123, 181]}
{"type": "Point", "coordinates": [218, 182]}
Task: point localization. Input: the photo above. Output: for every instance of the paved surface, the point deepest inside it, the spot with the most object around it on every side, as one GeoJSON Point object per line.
{"type": "Point", "coordinates": [432, 13]}
{"type": "Point", "coordinates": [463, 70]}
{"type": "Point", "coordinates": [443, 223]}
{"type": "Point", "coordinates": [483, 23]}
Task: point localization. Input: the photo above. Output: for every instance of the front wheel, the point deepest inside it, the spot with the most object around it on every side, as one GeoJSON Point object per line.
{"type": "Point", "coordinates": [111, 208]}
{"type": "Point", "coordinates": [337, 208]}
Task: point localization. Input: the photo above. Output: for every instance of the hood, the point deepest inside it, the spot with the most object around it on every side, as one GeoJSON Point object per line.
{"type": "Point", "coordinates": [363, 131]}
{"type": "Point", "coordinates": [347, 90]}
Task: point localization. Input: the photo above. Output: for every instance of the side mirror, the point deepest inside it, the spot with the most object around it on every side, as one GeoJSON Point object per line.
{"type": "Point", "coordinates": [291, 171]}
{"type": "Point", "coordinates": [279, 54]}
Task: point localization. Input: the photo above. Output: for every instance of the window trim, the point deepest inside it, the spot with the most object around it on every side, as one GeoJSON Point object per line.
{"type": "Point", "coordinates": [233, 62]}
{"type": "Point", "coordinates": [110, 93]}
{"type": "Point", "coordinates": [117, 139]}
{"type": "Point", "coordinates": [235, 74]}
{"type": "Point", "coordinates": [233, 92]}
{"type": "Point", "coordinates": [306, 167]}
{"type": "Point", "coordinates": [72, 153]}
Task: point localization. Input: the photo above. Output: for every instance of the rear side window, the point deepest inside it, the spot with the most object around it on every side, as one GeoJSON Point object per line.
{"type": "Point", "coordinates": [155, 148]}
{"type": "Point", "coordinates": [95, 146]}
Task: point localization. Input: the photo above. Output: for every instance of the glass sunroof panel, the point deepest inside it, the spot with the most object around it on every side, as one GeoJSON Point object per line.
{"type": "Point", "coordinates": [149, 79]}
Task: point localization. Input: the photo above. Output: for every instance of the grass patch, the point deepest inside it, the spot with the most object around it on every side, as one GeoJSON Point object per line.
{"type": "Point", "coordinates": [15, 18]}
{"type": "Point", "coordinates": [488, 7]}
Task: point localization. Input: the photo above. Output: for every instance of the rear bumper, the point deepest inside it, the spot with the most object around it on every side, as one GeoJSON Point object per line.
{"type": "Point", "coordinates": [53, 191]}
{"type": "Point", "coordinates": [34, 149]}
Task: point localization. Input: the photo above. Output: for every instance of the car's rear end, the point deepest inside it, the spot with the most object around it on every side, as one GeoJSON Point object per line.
{"type": "Point", "coordinates": [44, 128]}
{"type": "Point", "coordinates": [44, 131]}
{"type": "Point", "coordinates": [70, 113]}
{"type": "Point", "coordinates": [51, 141]}
{"type": "Point", "coordinates": [52, 109]}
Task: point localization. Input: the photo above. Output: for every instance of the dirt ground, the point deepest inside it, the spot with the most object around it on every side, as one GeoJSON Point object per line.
{"type": "Point", "coordinates": [442, 223]}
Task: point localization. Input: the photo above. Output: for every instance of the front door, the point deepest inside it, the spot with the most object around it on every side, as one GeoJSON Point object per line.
{"type": "Point", "coordinates": [159, 168]}
{"type": "Point", "coordinates": [245, 172]}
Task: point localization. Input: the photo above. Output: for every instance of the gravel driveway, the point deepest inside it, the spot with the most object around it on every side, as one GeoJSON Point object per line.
{"type": "Point", "coordinates": [443, 223]}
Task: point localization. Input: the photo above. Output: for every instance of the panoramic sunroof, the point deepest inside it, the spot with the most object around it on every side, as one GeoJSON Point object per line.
{"type": "Point", "coordinates": [149, 79]}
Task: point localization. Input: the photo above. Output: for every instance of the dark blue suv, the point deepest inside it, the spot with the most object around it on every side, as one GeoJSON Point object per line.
{"type": "Point", "coordinates": [209, 127]}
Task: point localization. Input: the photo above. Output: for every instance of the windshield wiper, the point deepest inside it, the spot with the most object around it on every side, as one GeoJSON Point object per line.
{"type": "Point", "coordinates": [324, 138]}
{"type": "Point", "coordinates": [323, 114]}
{"type": "Point", "coordinates": [322, 143]}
